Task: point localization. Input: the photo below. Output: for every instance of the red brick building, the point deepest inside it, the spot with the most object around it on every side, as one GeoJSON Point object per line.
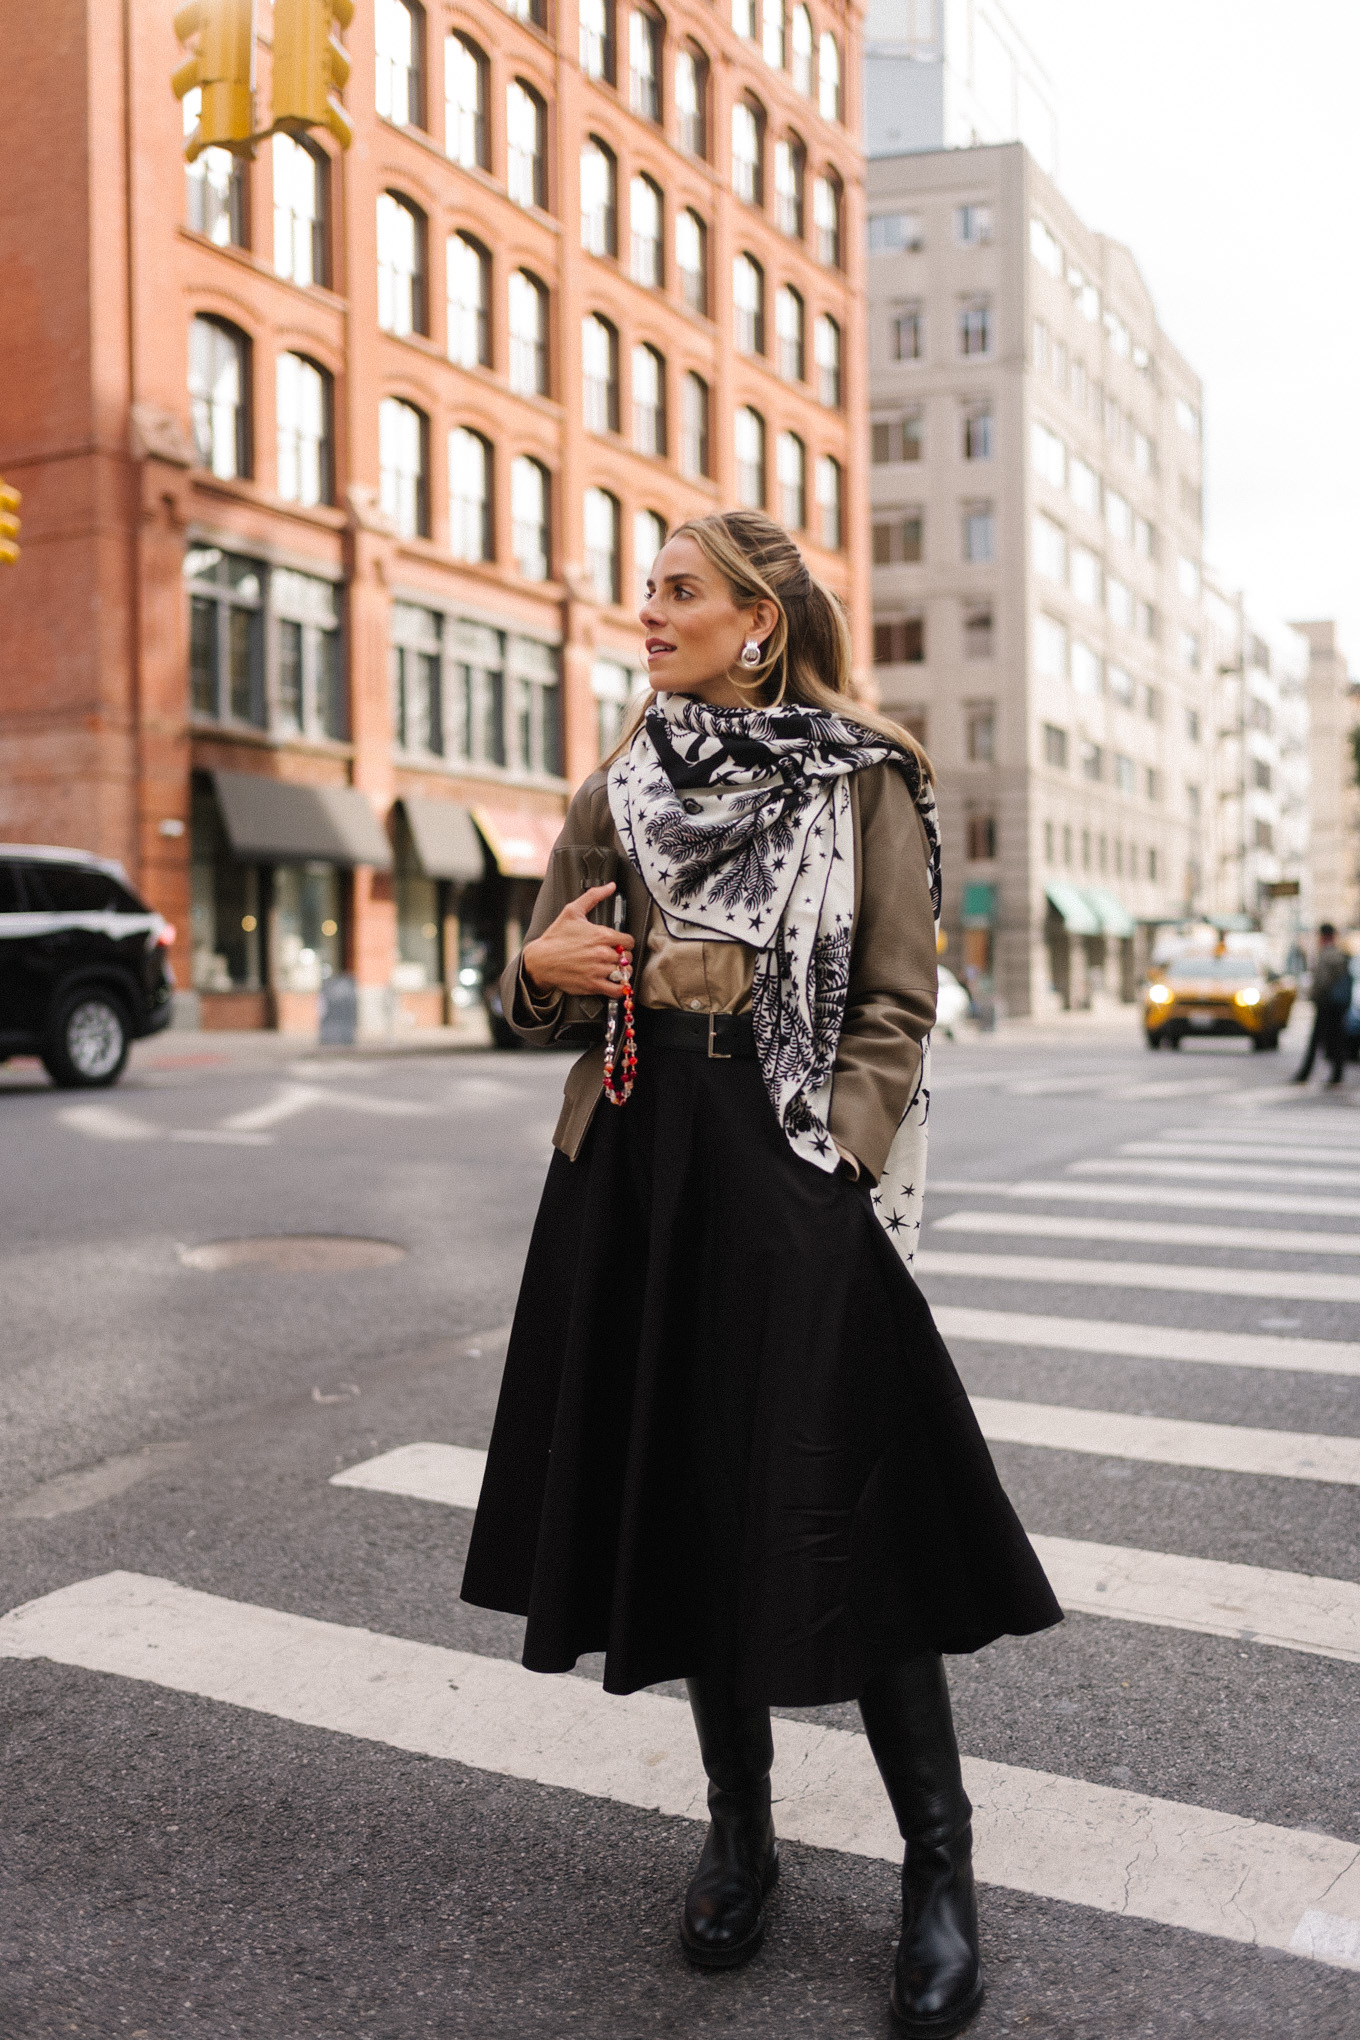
{"type": "Point", "coordinates": [339, 470]}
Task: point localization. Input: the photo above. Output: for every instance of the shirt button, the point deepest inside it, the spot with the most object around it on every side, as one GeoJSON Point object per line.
{"type": "Point", "coordinates": [696, 1005]}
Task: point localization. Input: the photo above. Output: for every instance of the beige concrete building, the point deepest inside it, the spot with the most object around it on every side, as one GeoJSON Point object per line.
{"type": "Point", "coordinates": [1038, 585]}
{"type": "Point", "coordinates": [1334, 770]}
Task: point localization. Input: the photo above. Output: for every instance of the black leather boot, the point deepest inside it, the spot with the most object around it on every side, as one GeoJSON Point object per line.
{"type": "Point", "coordinates": [723, 1922]}
{"type": "Point", "coordinates": [937, 1982]}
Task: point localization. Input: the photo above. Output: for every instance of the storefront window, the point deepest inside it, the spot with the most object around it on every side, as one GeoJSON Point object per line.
{"type": "Point", "coordinates": [537, 740]}
{"type": "Point", "coordinates": [307, 943]}
{"type": "Point", "coordinates": [225, 911]}
{"type": "Point", "coordinates": [226, 635]}
{"type": "Point", "coordinates": [310, 693]}
{"type": "Point", "coordinates": [478, 692]}
{"type": "Point", "coordinates": [417, 679]}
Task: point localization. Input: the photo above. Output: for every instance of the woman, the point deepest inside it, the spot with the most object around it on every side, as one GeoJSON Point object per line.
{"type": "Point", "coordinates": [731, 1447]}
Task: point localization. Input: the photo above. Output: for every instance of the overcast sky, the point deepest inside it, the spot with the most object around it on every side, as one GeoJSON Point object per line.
{"type": "Point", "coordinates": [1220, 140]}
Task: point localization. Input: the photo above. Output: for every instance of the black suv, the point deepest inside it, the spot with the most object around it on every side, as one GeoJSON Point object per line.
{"type": "Point", "coordinates": [83, 964]}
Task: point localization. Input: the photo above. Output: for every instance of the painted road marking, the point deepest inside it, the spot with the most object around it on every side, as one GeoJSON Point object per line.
{"type": "Point", "coordinates": [1224, 1172]}
{"type": "Point", "coordinates": [112, 1122]}
{"type": "Point", "coordinates": [428, 1473]}
{"type": "Point", "coordinates": [1240, 1148]}
{"type": "Point", "coordinates": [1114, 1851]}
{"type": "Point", "coordinates": [1034, 1225]}
{"type": "Point", "coordinates": [1147, 1342]}
{"type": "Point", "coordinates": [1297, 1285]}
{"type": "Point", "coordinates": [1183, 1195]}
{"type": "Point", "coordinates": [1170, 1441]}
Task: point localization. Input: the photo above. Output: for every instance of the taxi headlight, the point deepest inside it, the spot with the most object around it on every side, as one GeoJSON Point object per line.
{"type": "Point", "coordinates": [1250, 995]}
{"type": "Point", "coordinates": [1160, 995]}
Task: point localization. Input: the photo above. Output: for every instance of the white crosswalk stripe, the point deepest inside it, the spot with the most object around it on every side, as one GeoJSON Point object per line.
{"type": "Point", "coordinates": [1119, 1852]}
{"type": "Point", "coordinates": [1224, 1172]}
{"type": "Point", "coordinates": [1297, 1285]}
{"type": "Point", "coordinates": [1241, 1148]}
{"type": "Point", "coordinates": [1170, 1441]}
{"type": "Point", "coordinates": [1281, 1204]}
{"type": "Point", "coordinates": [1147, 1232]}
{"type": "Point", "coordinates": [1111, 1339]}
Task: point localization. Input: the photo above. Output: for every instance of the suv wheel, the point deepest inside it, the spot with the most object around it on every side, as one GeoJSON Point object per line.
{"type": "Point", "coordinates": [89, 1040]}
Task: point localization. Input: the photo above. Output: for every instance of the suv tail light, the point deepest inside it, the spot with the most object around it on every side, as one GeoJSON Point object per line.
{"type": "Point", "coordinates": [165, 935]}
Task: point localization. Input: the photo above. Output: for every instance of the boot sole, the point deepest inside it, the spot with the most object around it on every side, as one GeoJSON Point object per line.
{"type": "Point", "coordinates": [941, 2024]}
{"type": "Point", "coordinates": [742, 1951]}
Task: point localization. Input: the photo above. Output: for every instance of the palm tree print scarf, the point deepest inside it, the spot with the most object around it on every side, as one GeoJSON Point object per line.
{"type": "Point", "coordinates": [739, 823]}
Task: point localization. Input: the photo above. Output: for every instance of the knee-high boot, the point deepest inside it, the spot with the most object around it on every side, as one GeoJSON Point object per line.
{"type": "Point", "coordinates": [723, 1922]}
{"type": "Point", "coordinates": [937, 1983]}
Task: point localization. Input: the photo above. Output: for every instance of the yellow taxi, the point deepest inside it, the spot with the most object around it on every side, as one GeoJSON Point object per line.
{"type": "Point", "coordinates": [1204, 995]}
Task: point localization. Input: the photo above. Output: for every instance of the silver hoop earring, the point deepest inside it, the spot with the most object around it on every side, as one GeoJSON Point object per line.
{"type": "Point", "coordinates": [751, 654]}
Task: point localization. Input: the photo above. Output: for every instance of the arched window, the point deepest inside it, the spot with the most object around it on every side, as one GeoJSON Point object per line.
{"type": "Point", "coordinates": [644, 64]}
{"type": "Point", "coordinates": [466, 85]}
{"type": "Point", "coordinates": [599, 198]}
{"type": "Point", "coordinates": [649, 535]}
{"type": "Point", "coordinates": [528, 321]}
{"type": "Point", "coordinates": [829, 77]}
{"type": "Point", "coordinates": [597, 40]}
{"type": "Point", "coordinates": [602, 544]}
{"type": "Point", "coordinates": [219, 396]}
{"type": "Point", "coordinates": [694, 460]}
{"type": "Point", "coordinates": [790, 158]}
{"type": "Point", "coordinates": [791, 467]}
{"type": "Point", "coordinates": [748, 305]}
{"type": "Point", "coordinates": [691, 260]}
{"type": "Point", "coordinates": [691, 99]}
{"type": "Point", "coordinates": [827, 349]}
{"type": "Point", "coordinates": [303, 411]}
{"type": "Point", "coordinates": [748, 144]}
{"type": "Point", "coordinates": [403, 445]}
{"type": "Point", "coordinates": [645, 230]}
{"type": "Point", "coordinates": [772, 34]}
{"type": "Point", "coordinates": [526, 124]}
{"type": "Point", "coordinates": [399, 75]}
{"type": "Point", "coordinates": [216, 189]}
{"type": "Point", "coordinates": [469, 302]}
{"type": "Point", "coordinates": [789, 329]}
{"type": "Point", "coordinates": [299, 211]}
{"type": "Point", "coordinates": [649, 401]}
{"type": "Point", "coordinates": [401, 265]}
{"type": "Point", "coordinates": [599, 374]}
{"type": "Point", "coordinates": [470, 521]}
{"type": "Point", "coordinates": [800, 39]}
{"type": "Point", "coordinates": [826, 219]}
{"type": "Point", "coordinates": [529, 518]}
{"type": "Point", "coordinates": [749, 447]}
{"type": "Point", "coordinates": [829, 517]}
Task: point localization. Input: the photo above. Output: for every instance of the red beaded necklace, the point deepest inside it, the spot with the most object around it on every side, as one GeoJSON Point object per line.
{"type": "Point", "coordinates": [618, 1090]}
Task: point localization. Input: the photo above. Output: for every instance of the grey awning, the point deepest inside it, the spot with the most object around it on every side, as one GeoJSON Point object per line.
{"type": "Point", "coordinates": [270, 821]}
{"type": "Point", "coordinates": [446, 839]}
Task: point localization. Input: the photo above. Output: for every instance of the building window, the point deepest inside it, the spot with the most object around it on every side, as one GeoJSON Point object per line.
{"type": "Point", "coordinates": [691, 259]}
{"type": "Point", "coordinates": [1263, 836]}
{"type": "Point", "coordinates": [416, 666]}
{"type": "Point", "coordinates": [973, 224]}
{"type": "Point", "coordinates": [801, 48]}
{"type": "Point", "coordinates": [790, 458]}
{"type": "Point", "coordinates": [526, 165]}
{"type": "Point", "coordinates": [599, 199]}
{"type": "Point", "coordinates": [1050, 844]}
{"type": "Point", "coordinates": [899, 540]}
{"type": "Point", "coordinates": [299, 212]}
{"type": "Point", "coordinates": [1124, 773]}
{"type": "Point", "coordinates": [1085, 575]}
{"type": "Point", "coordinates": [1092, 760]}
{"type": "Point", "coordinates": [1084, 484]}
{"type": "Point", "coordinates": [748, 305]}
{"type": "Point", "coordinates": [772, 33]}
{"type": "Point", "coordinates": [470, 521]}
{"type": "Point", "coordinates": [900, 643]}
{"type": "Point", "coordinates": [694, 427]}
{"type": "Point", "coordinates": [469, 306]}
{"type": "Point", "coordinates": [597, 40]}
{"type": "Point", "coordinates": [649, 401]}
{"type": "Point", "coordinates": [600, 373]}
{"type": "Point", "coordinates": [749, 446]}
{"type": "Point", "coordinates": [1120, 602]}
{"type": "Point", "coordinates": [980, 731]}
{"type": "Point", "coordinates": [1050, 647]}
{"type": "Point", "coordinates": [466, 92]}
{"type": "Point", "coordinates": [226, 635]}
{"type": "Point", "coordinates": [303, 413]}
{"type": "Point", "coordinates": [476, 693]}
{"type": "Point", "coordinates": [981, 838]}
{"type": "Point", "coordinates": [979, 533]}
{"type": "Point", "coordinates": [748, 125]}
{"type": "Point", "coordinates": [535, 707]}
{"type": "Point", "coordinates": [827, 349]}
{"type": "Point", "coordinates": [645, 231]}
{"type": "Point", "coordinates": [1086, 670]}
{"type": "Point", "coordinates": [977, 633]}
{"type": "Point", "coordinates": [1055, 747]}
{"type": "Point", "coordinates": [894, 439]}
{"type": "Point", "coordinates": [1119, 515]}
{"type": "Point", "coordinates": [398, 81]}
{"type": "Point", "coordinates": [215, 187]}
{"type": "Point", "coordinates": [644, 64]}
{"type": "Point", "coordinates": [788, 328]}
{"type": "Point", "coordinates": [829, 77]}
{"type": "Point", "coordinates": [1188, 577]}
{"type": "Point", "coordinates": [1192, 724]}
{"type": "Point", "coordinates": [895, 233]}
{"type": "Point", "coordinates": [907, 334]}
{"type": "Point", "coordinates": [789, 160]}
{"type": "Point", "coordinates": [219, 396]}
{"type": "Point", "coordinates": [977, 435]}
{"type": "Point", "coordinates": [1048, 455]}
{"type": "Point", "coordinates": [649, 535]}
{"type": "Point", "coordinates": [1190, 650]}
{"type": "Point", "coordinates": [1120, 684]}
{"type": "Point", "coordinates": [744, 18]}
{"type": "Point", "coordinates": [691, 100]}
{"type": "Point", "coordinates": [401, 265]}
{"type": "Point", "coordinates": [403, 440]}
{"type": "Point", "coordinates": [975, 327]}
{"type": "Point", "coordinates": [528, 324]}
{"type": "Point", "coordinates": [529, 506]}
{"type": "Point", "coordinates": [610, 684]}
{"type": "Point", "coordinates": [602, 545]}
{"type": "Point", "coordinates": [830, 518]}
{"type": "Point", "coordinates": [826, 219]}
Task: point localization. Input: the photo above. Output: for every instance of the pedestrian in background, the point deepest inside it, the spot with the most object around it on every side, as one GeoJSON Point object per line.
{"type": "Point", "coordinates": [1330, 990]}
{"type": "Point", "coordinates": [731, 1446]}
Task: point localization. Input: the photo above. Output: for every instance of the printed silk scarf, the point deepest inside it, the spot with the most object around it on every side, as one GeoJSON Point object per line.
{"type": "Point", "coordinates": [738, 821]}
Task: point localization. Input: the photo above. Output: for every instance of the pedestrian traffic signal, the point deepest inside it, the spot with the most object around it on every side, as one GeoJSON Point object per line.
{"type": "Point", "coordinates": [310, 66]}
{"type": "Point", "coordinates": [223, 68]}
{"type": "Point", "coordinates": [10, 499]}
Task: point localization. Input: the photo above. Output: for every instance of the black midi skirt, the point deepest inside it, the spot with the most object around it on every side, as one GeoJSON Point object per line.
{"type": "Point", "coordinates": [730, 1439]}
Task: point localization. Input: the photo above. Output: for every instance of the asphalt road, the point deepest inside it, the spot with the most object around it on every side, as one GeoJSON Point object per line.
{"type": "Point", "coordinates": [176, 1865]}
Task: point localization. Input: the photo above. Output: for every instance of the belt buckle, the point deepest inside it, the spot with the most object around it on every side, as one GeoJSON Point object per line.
{"type": "Point", "coordinates": [715, 1054]}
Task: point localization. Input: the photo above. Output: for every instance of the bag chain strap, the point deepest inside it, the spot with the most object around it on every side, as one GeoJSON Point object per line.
{"type": "Point", "coordinates": [618, 1090]}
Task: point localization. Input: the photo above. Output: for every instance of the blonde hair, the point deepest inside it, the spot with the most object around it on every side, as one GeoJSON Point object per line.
{"type": "Point", "coordinates": [807, 656]}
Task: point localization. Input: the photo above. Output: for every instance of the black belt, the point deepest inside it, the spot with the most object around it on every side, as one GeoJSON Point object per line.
{"type": "Point", "coordinates": [720, 1036]}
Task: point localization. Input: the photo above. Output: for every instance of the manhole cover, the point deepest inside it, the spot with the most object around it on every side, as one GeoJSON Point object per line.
{"type": "Point", "coordinates": [295, 1253]}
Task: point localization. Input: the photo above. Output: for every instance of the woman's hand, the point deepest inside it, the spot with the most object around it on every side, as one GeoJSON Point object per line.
{"type": "Point", "coordinates": [576, 955]}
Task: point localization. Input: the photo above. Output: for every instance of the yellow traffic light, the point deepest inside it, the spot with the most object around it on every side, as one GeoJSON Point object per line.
{"type": "Point", "coordinates": [10, 499]}
{"type": "Point", "coordinates": [310, 66]}
{"type": "Point", "coordinates": [223, 66]}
